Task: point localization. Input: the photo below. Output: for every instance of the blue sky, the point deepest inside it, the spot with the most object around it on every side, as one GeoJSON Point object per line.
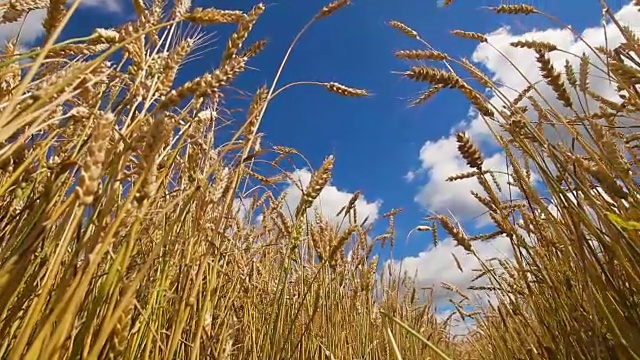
{"type": "Point", "coordinates": [376, 140]}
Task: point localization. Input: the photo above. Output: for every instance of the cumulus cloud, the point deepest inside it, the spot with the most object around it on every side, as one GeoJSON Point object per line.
{"type": "Point", "coordinates": [497, 55]}
{"type": "Point", "coordinates": [31, 24]}
{"type": "Point", "coordinates": [439, 159]}
{"type": "Point", "coordinates": [31, 28]}
{"type": "Point", "coordinates": [457, 326]}
{"type": "Point", "coordinates": [436, 265]}
{"type": "Point", "coordinates": [241, 207]}
{"type": "Point", "coordinates": [410, 175]}
{"type": "Point", "coordinates": [330, 200]}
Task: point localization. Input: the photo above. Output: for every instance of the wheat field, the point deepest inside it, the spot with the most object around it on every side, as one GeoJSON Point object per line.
{"type": "Point", "coordinates": [121, 237]}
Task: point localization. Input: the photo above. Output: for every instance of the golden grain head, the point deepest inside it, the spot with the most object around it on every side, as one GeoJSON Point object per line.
{"type": "Point", "coordinates": [553, 79]}
{"type": "Point", "coordinates": [254, 49]}
{"type": "Point", "coordinates": [332, 8]}
{"type": "Point", "coordinates": [108, 36]}
{"type": "Point", "coordinates": [421, 55]}
{"type": "Point", "coordinates": [201, 16]}
{"type": "Point", "coordinates": [535, 45]}
{"type": "Point", "coordinates": [434, 76]}
{"type": "Point", "coordinates": [404, 29]}
{"type": "Point", "coordinates": [469, 151]}
{"type": "Point", "coordinates": [519, 9]}
{"type": "Point", "coordinates": [426, 95]}
{"type": "Point", "coordinates": [345, 90]}
{"type": "Point", "coordinates": [470, 35]}
{"type": "Point", "coordinates": [244, 28]}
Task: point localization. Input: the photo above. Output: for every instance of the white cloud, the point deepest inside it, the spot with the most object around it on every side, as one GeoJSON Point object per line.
{"type": "Point", "coordinates": [410, 175]}
{"type": "Point", "coordinates": [32, 24]}
{"type": "Point", "coordinates": [31, 28]}
{"type": "Point", "coordinates": [457, 326]}
{"type": "Point", "coordinates": [330, 200]}
{"type": "Point", "coordinates": [436, 265]}
{"type": "Point", "coordinates": [498, 55]}
{"type": "Point", "coordinates": [241, 207]}
{"type": "Point", "coordinates": [439, 159]}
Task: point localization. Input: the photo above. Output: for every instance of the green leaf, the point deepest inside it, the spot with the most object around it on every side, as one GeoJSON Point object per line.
{"type": "Point", "coordinates": [629, 225]}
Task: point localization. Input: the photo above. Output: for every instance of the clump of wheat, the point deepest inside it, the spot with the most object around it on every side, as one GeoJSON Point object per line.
{"type": "Point", "coordinates": [581, 242]}
{"type": "Point", "coordinates": [127, 229]}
